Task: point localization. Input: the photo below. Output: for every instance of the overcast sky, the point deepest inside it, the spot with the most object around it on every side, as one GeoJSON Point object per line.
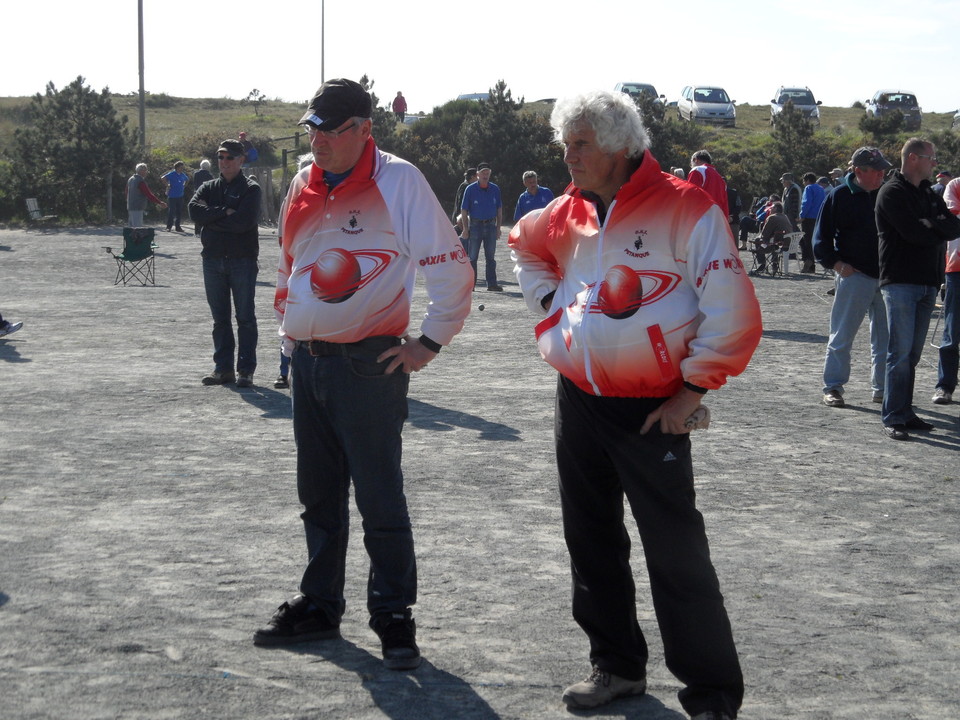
{"type": "Point", "coordinates": [434, 50]}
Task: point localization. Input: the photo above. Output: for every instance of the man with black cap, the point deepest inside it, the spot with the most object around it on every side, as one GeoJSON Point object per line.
{"type": "Point", "coordinates": [845, 241]}
{"type": "Point", "coordinates": [227, 210]}
{"type": "Point", "coordinates": [357, 225]}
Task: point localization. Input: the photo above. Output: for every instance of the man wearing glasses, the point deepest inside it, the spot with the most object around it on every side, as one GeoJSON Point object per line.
{"type": "Point", "coordinates": [227, 210]}
{"type": "Point", "coordinates": [357, 224]}
{"type": "Point", "coordinates": [913, 225]}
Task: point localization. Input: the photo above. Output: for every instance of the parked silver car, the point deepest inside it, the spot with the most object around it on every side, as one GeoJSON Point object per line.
{"type": "Point", "coordinates": [706, 104]}
{"type": "Point", "coordinates": [803, 102]}
{"type": "Point", "coordinates": [885, 102]}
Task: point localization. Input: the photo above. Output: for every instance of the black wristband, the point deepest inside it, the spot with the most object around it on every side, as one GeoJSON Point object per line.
{"type": "Point", "coordinates": [430, 344]}
{"type": "Point", "coordinates": [695, 388]}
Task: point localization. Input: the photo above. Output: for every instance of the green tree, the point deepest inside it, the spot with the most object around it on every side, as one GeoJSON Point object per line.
{"type": "Point", "coordinates": [73, 146]}
{"type": "Point", "coordinates": [255, 98]}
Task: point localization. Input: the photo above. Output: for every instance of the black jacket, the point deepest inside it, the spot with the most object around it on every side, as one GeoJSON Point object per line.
{"type": "Point", "coordinates": [847, 229]}
{"type": "Point", "coordinates": [222, 235]}
{"type": "Point", "coordinates": [911, 252]}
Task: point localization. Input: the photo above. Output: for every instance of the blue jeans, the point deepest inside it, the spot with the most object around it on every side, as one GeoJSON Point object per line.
{"type": "Point", "coordinates": [950, 343]}
{"type": "Point", "coordinates": [484, 233]}
{"type": "Point", "coordinates": [347, 420]}
{"type": "Point", "coordinates": [223, 277]}
{"type": "Point", "coordinates": [174, 211]}
{"type": "Point", "coordinates": [856, 297]}
{"type": "Point", "coordinates": [908, 318]}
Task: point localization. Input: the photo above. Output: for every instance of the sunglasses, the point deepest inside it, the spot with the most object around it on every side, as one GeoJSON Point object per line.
{"type": "Point", "coordinates": [226, 157]}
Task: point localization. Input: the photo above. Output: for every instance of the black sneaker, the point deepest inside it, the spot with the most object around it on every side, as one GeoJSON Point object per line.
{"type": "Point", "coordinates": [219, 377]}
{"type": "Point", "coordinates": [398, 640]}
{"type": "Point", "coordinates": [916, 423]}
{"type": "Point", "coordinates": [296, 621]}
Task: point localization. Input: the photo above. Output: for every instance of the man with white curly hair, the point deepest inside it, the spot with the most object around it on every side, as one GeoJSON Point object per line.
{"type": "Point", "coordinates": [647, 308]}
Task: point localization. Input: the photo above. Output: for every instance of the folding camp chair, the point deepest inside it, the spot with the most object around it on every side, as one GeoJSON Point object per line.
{"type": "Point", "coordinates": [34, 212]}
{"type": "Point", "coordinates": [135, 261]}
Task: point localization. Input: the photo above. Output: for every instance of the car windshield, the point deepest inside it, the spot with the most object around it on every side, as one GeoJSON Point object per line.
{"type": "Point", "coordinates": [637, 88]}
{"type": "Point", "coordinates": [799, 97]}
{"type": "Point", "coordinates": [899, 99]}
{"type": "Point", "coordinates": [710, 95]}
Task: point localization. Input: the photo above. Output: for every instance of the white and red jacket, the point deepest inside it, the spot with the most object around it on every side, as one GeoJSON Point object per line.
{"type": "Point", "coordinates": [655, 297]}
{"type": "Point", "coordinates": [349, 255]}
{"type": "Point", "coordinates": [951, 196]}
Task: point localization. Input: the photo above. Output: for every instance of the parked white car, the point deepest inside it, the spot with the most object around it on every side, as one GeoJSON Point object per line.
{"type": "Point", "coordinates": [707, 104]}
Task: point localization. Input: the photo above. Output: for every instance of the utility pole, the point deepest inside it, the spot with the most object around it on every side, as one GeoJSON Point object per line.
{"type": "Point", "coordinates": [143, 104]}
{"type": "Point", "coordinates": [323, 30]}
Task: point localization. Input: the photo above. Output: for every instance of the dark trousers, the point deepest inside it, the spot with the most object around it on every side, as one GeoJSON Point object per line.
{"type": "Point", "coordinates": [236, 278]}
{"type": "Point", "coordinates": [347, 420]}
{"type": "Point", "coordinates": [601, 457]}
{"type": "Point", "coordinates": [806, 245]}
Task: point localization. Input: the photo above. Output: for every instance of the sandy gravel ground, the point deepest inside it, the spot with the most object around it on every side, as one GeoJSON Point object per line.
{"type": "Point", "coordinates": [149, 524]}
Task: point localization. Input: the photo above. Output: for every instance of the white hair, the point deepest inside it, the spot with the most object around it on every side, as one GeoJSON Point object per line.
{"type": "Point", "coordinates": [204, 164]}
{"type": "Point", "coordinates": [612, 116]}
{"type": "Point", "coordinates": [141, 166]}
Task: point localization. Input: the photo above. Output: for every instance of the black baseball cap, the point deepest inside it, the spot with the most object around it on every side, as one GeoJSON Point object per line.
{"type": "Point", "coordinates": [870, 157]}
{"type": "Point", "coordinates": [234, 147]}
{"type": "Point", "coordinates": [335, 102]}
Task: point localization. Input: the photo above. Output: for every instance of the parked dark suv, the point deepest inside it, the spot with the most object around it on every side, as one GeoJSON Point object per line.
{"type": "Point", "coordinates": [885, 102]}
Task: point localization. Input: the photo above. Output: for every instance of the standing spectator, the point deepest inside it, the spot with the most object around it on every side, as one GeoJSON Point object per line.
{"type": "Point", "coordinates": [228, 209]}
{"type": "Point", "coordinates": [175, 183]}
{"type": "Point", "coordinates": [400, 107]}
{"type": "Point", "coordinates": [845, 241]}
{"type": "Point", "coordinates": [533, 198]}
{"type": "Point", "coordinates": [812, 200]}
{"type": "Point", "coordinates": [734, 207]}
{"type": "Point", "coordinates": [914, 224]}
{"type": "Point", "coordinates": [352, 359]}
{"type": "Point", "coordinates": [836, 177]}
{"type": "Point", "coordinates": [943, 178]}
{"type": "Point", "coordinates": [628, 385]}
{"type": "Point", "coordinates": [482, 216]}
{"type": "Point", "coordinates": [250, 152]}
{"type": "Point", "coordinates": [949, 362]}
{"type": "Point", "coordinates": [202, 175]}
{"type": "Point", "coordinates": [791, 199]}
{"type": "Point", "coordinates": [199, 178]}
{"type": "Point", "coordinates": [704, 175]}
{"type": "Point", "coordinates": [469, 177]}
{"type": "Point", "coordinates": [138, 193]}
{"type": "Point", "coordinates": [8, 328]}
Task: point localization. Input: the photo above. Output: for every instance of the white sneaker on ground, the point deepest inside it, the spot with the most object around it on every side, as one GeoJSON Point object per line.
{"type": "Point", "coordinates": [600, 688]}
{"type": "Point", "coordinates": [942, 397]}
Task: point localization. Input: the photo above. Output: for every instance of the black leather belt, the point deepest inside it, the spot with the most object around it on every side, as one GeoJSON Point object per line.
{"type": "Point", "coordinates": [322, 348]}
{"type": "Point", "coordinates": [484, 222]}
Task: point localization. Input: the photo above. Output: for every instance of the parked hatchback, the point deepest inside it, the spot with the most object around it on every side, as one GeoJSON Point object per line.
{"type": "Point", "coordinates": [885, 102]}
{"type": "Point", "coordinates": [706, 104]}
{"type": "Point", "coordinates": [803, 102]}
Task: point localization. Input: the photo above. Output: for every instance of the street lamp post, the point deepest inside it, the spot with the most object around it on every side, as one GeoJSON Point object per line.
{"type": "Point", "coordinates": [143, 104]}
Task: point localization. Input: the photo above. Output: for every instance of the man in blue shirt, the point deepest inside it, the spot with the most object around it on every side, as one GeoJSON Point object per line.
{"type": "Point", "coordinates": [175, 181]}
{"type": "Point", "coordinates": [810, 204]}
{"type": "Point", "coordinates": [533, 198]}
{"type": "Point", "coordinates": [482, 211]}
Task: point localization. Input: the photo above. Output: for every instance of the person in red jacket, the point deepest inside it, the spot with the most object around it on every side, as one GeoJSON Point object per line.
{"type": "Point", "coordinates": [400, 107]}
{"type": "Point", "coordinates": [704, 175]}
{"type": "Point", "coordinates": [646, 306]}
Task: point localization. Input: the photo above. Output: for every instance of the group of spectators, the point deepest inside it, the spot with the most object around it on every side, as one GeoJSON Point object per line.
{"type": "Point", "coordinates": [890, 236]}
